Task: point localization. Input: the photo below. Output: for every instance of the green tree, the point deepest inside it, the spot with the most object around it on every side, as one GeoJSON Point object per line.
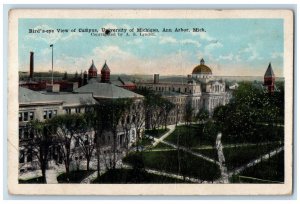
{"type": "Point", "coordinates": [67, 127]}
{"type": "Point", "coordinates": [41, 143]}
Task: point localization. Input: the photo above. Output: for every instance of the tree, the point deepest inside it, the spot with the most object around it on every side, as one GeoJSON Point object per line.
{"type": "Point", "coordinates": [67, 127]}
{"type": "Point", "coordinates": [138, 114]}
{"type": "Point", "coordinates": [188, 113]}
{"type": "Point", "coordinates": [167, 107]}
{"type": "Point", "coordinates": [76, 75]}
{"type": "Point", "coordinates": [40, 144]}
{"type": "Point", "coordinates": [86, 140]}
{"type": "Point", "coordinates": [65, 77]}
{"type": "Point", "coordinates": [202, 115]}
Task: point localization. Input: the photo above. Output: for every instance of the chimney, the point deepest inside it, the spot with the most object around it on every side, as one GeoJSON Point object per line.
{"type": "Point", "coordinates": [156, 78]}
{"type": "Point", "coordinates": [31, 65]}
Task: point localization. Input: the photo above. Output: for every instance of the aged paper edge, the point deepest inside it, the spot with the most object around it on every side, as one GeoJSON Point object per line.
{"type": "Point", "coordinates": [146, 189]}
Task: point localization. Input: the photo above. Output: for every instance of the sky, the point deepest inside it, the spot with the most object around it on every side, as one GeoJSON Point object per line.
{"type": "Point", "coordinates": [230, 47]}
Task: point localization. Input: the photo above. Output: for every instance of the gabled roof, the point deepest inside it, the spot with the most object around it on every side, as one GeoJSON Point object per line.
{"type": "Point", "coordinates": [29, 97]}
{"type": "Point", "coordinates": [107, 91]}
{"type": "Point", "coordinates": [269, 72]}
{"type": "Point", "coordinates": [75, 99]}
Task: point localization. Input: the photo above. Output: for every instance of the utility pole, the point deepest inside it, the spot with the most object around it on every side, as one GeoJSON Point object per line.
{"type": "Point", "coordinates": [52, 64]}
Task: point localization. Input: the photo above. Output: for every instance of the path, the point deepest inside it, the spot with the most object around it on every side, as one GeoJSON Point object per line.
{"type": "Point", "coordinates": [158, 140]}
{"type": "Point", "coordinates": [223, 168]}
{"type": "Point", "coordinates": [191, 152]}
{"type": "Point", "coordinates": [170, 175]}
{"type": "Point", "coordinates": [256, 161]}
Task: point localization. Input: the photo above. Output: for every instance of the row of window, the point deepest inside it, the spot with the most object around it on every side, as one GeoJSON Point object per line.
{"type": "Point", "coordinates": [26, 116]}
{"type": "Point", "coordinates": [48, 114]}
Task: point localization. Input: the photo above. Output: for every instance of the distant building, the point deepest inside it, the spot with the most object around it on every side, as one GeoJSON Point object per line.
{"type": "Point", "coordinates": [269, 79]}
{"type": "Point", "coordinates": [200, 88]}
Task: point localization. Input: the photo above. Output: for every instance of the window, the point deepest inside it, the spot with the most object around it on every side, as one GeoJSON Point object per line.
{"type": "Point", "coordinates": [20, 117]}
{"type": "Point", "coordinates": [77, 110]}
{"type": "Point", "coordinates": [50, 114]}
{"type": "Point", "coordinates": [31, 115]}
{"type": "Point", "coordinates": [26, 116]}
{"type": "Point", "coordinates": [68, 110]}
{"type": "Point", "coordinates": [45, 114]}
{"type": "Point", "coordinates": [54, 113]}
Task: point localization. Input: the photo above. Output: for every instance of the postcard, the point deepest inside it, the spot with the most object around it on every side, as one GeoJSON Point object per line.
{"type": "Point", "coordinates": [150, 102]}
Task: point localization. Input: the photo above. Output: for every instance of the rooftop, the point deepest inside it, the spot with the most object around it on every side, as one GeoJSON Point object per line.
{"type": "Point", "coordinates": [107, 91]}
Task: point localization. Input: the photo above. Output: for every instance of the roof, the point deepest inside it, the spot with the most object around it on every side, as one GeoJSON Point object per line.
{"type": "Point", "coordinates": [269, 72]}
{"type": "Point", "coordinates": [93, 67]}
{"type": "Point", "coordinates": [107, 91]}
{"type": "Point", "coordinates": [29, 97]}
{"type": "Point", "coordinates": [75, 99]}
{"type": "Point", "coordinates": [202, 68]}
{"type": "Point", "coordinates": [105, 68]}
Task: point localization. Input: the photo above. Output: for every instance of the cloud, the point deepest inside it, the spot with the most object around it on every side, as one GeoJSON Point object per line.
{"type": "Point", "coordinates": [211, 46]}
{"type": "Point", "coordinates": [275, 55]}
{"type": "Point", "coordinates": [190, 41]}
{"type": "Point", "coordinates": [167, 39]}
{"type": "Point", "coordinates": [229, 57]}
{"type": "Point", "coordinates": [249, 53]}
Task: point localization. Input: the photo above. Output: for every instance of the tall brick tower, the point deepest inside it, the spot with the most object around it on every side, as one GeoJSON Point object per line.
{"type": "Point", "coordinates": [269, 79]}
{"type": "Point", "coordinates": [92, 71]}
{"type": "Point", "coordinates": [105, 74]}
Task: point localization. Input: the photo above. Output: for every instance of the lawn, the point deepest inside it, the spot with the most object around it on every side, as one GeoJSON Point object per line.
{"type": "Point", "coordinates": [260, 133]}
{"type": "Point", "coordinates": [176, 162]}
{"type": "Point", "coordinates": [74, 176]}
{"type": "Point", "coordinates": [157, 132]}
{"type": "Point", "coordinates": [267, 171]}
{"type": "Point", "coordinates": [238, 156]}
{"type": "Point", "coordinates": [193, 136]}
{"type": "Point", "coordinates": [37, 180]}
{"type": "Point", "coordinates": [190, 136]}
{"type": "Point", "coordinates": [133, 176]}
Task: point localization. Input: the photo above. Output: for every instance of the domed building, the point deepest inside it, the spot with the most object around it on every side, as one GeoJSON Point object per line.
{"type": "Point", "coordinates": [92, 71]}
{"type": "Point", "coordinates": [202, 71]}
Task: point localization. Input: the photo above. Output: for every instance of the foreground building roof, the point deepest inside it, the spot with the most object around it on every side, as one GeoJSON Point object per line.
{"type": "Point", "coordinates": [107, 91]}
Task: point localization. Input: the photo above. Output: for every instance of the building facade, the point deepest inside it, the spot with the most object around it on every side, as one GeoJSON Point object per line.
{"type": "Point", "coordinates": [200, 89]}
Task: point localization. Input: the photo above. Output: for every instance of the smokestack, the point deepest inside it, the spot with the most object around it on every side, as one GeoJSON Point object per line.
{"type": "Point", "coordinates": [31, 65]}
{"type": "Point", "coordinates": [156, 78]}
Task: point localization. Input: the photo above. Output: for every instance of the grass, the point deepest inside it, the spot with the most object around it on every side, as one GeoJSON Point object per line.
{"type": "Point", "coordinates": [37, 180]}
{"type": "Point", "coordinates": [133, 176]}
{"type": "Point", "coordinates": [267, 171]}
{"type": "Point", "coordinates": [157, 132]}
{"type": "Point", "coordinates": [74, 176]}
{"type": "Point", "coordinates": [145, 141]}
{"type": "Point", "coordinates": [189, 136]}
{"type": "Point", "coordinates": [260, 133]}
{"type": "Point", "coordinates": [168, 161]}
{"type": "Point", "coordinates": [238, 156]}
{"type": "Point", "coordinates": [162, 146]}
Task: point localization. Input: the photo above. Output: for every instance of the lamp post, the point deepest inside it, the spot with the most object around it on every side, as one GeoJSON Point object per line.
{"type": "Point", "coordinates": [52, 65]}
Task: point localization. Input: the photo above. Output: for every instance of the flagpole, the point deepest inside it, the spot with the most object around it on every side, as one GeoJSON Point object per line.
{"type": "Point", "coordinates": [52, 64]}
